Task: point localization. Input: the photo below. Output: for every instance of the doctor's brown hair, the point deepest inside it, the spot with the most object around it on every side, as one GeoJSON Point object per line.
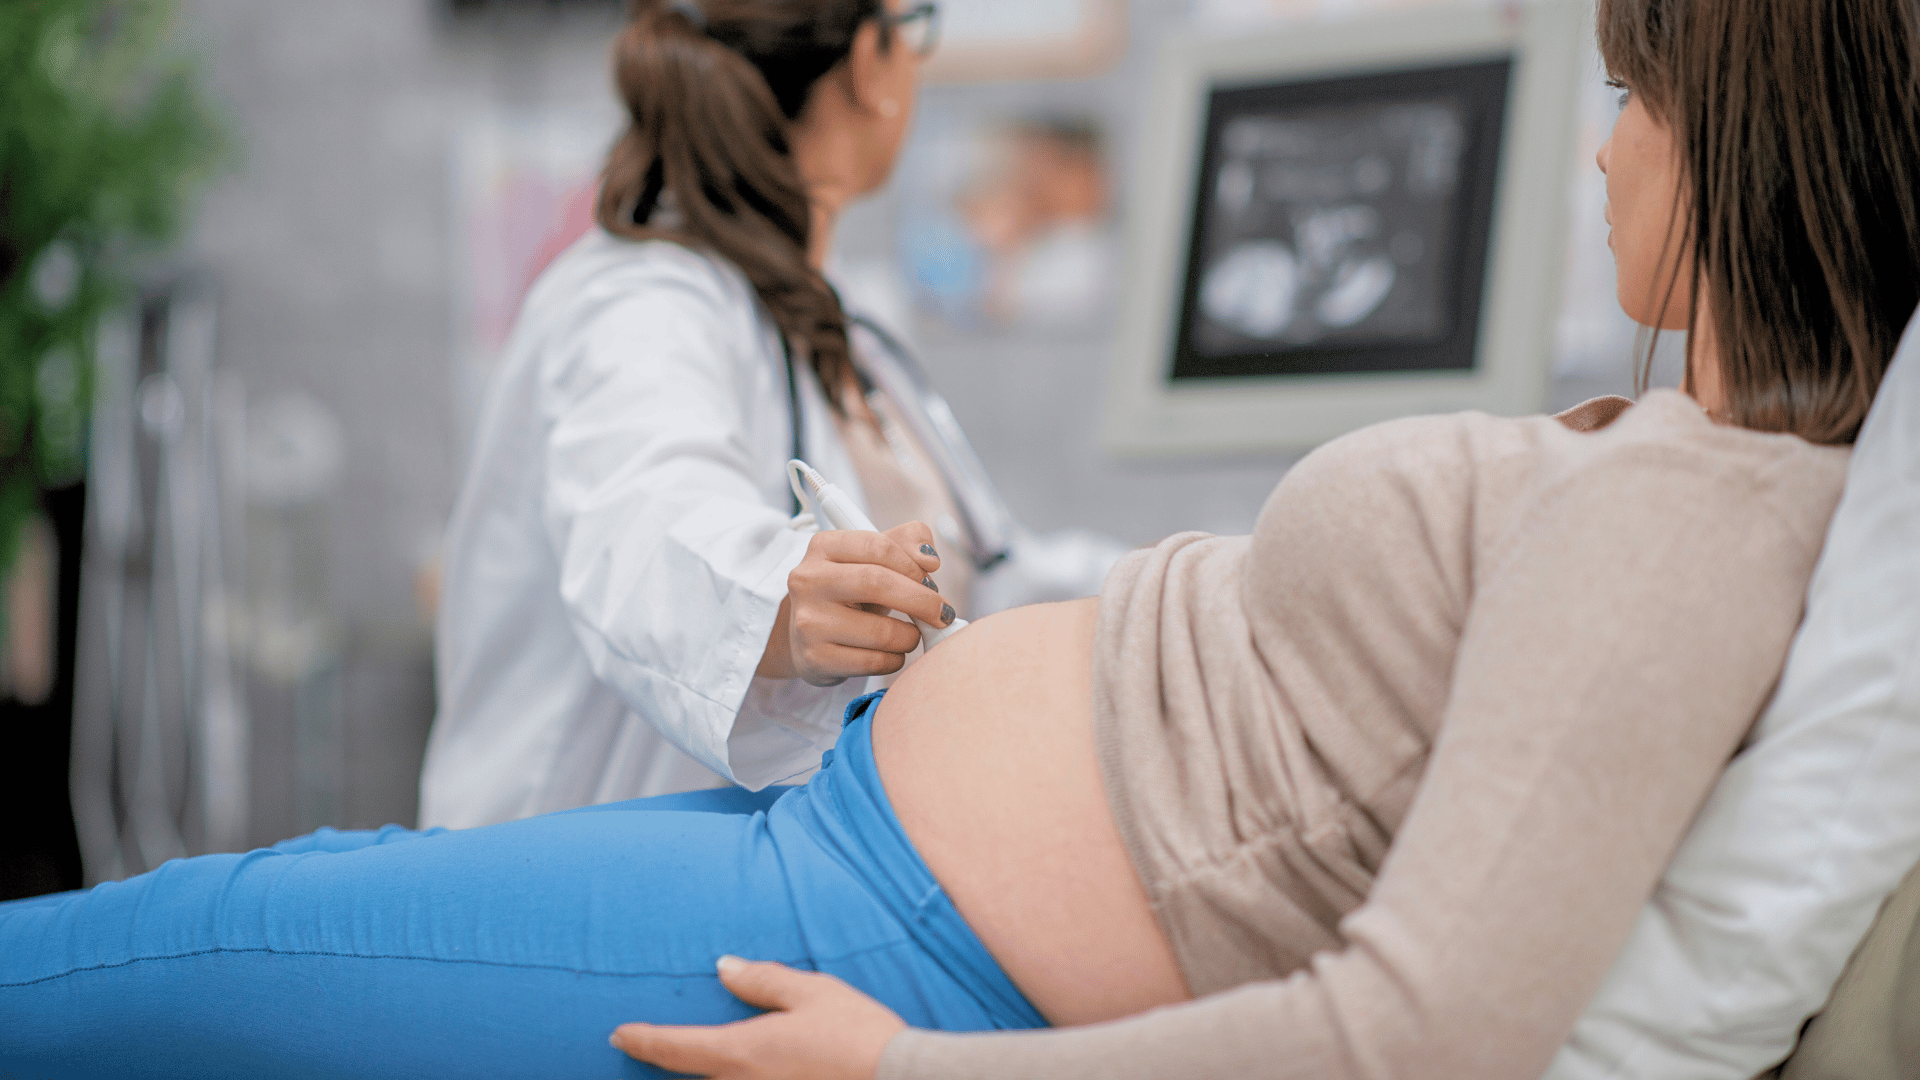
{"type": "Point", "coordinates": [1798, 127]}
{"type": "Point", "coordinates": [711, 88]}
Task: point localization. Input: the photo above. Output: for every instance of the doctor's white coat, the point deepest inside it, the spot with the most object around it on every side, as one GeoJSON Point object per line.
{"type": "Point", "coordinates": [621, 546]}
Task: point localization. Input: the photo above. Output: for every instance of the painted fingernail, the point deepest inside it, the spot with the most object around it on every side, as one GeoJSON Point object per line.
{"type": "Point", "coordinates": [928, 582]}
{"type": "Point", "coordinates": [727, 965]}
{"type": "Point", "coordinates": [927, 549]}
{"type": "Point", "coordinates": [946, 614]}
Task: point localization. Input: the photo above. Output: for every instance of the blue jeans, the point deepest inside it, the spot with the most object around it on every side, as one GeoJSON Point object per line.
{"type": "Point", "coordinates": [511, 950]}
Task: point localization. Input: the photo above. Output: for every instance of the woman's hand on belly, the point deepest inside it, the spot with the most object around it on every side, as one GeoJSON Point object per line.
{"type": "Point", "coordinates": [986, 748]}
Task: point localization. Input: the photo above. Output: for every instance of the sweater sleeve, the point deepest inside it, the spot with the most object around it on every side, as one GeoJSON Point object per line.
{"type": "Point", "coordinates": [1622, 636]}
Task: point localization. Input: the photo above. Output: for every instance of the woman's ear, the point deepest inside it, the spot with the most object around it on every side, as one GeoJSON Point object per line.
{"type": "Point", "coordinates": [868, 81]}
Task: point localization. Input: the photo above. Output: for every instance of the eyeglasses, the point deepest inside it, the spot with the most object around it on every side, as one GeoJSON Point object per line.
{"type": "Point", "coordinates": [919, 27]}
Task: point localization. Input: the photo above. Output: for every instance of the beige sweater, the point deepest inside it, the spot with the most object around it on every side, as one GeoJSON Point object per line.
{"type": "Point", "coordinates": [1399, 769]}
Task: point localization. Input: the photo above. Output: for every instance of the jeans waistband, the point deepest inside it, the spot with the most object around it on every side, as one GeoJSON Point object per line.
{"type": "Point", "coordinates": [846, 811]}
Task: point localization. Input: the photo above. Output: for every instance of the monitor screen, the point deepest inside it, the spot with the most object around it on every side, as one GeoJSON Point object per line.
{"type": "Point", "coordinates": [1342, 224]}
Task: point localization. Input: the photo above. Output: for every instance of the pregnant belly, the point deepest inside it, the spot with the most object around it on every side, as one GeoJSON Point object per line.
{"type": "Point", "coordinates": [986, 749]}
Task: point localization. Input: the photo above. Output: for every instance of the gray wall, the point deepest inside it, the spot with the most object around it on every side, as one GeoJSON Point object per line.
{"type": "Point", "coordinates": [331, 242]}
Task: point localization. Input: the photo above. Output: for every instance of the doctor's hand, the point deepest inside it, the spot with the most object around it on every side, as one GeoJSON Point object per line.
{"type": "Point", "coordinates": [819, 1029]}
{"type": "Point", "coordinates": [833, 625]}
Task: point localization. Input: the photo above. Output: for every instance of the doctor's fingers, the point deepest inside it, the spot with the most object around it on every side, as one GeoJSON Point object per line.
{"type": "Point", "coordinates": [843, 662]}
{"type": "Point", "coordinates": [916, 539]}
{"type": "Point", "coordinates": [865, 583]}
{"type": "Point", "coordinates": [899, 549]}
{"type": "Point", "coordinates": [836, 626]}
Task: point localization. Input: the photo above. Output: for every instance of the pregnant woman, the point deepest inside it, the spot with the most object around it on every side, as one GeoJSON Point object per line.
{"type": "Point", "coordinates": [1376, 791]}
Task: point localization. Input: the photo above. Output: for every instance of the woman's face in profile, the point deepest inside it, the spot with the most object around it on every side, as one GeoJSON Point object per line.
{"type": "Point", "coordinates": [1642, 165]}
{"type": "Point", "coordinates": [895, 78]}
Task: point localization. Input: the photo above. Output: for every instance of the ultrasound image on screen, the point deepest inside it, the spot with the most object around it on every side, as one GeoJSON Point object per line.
{"type": "Point", "coordinates": [1342, 225]}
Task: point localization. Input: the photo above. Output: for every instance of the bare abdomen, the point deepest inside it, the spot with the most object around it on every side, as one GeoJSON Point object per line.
{"type": "Point", "coordinates": [986, 749]}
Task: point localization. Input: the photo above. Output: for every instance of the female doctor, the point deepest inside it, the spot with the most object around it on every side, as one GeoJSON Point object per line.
{"type": "Point", "coordinates": [628, 609]}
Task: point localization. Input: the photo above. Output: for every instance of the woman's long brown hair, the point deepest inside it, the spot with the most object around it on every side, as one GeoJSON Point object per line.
{"type": "Point", "coordinates": [705, 160]}
{"type": "Point", "coordinates": [1798, 126]}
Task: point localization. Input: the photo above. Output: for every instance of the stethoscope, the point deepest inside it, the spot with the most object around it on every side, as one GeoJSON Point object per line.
{"type": "Point", "coordinates": [987, 526]}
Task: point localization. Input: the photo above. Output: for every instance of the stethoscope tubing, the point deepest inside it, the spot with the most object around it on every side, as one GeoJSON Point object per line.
{"type": "Point", "coordinates": [987, 525]}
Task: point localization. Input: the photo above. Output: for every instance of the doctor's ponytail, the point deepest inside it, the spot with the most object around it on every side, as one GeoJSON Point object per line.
{"type": "Point", "coordinates": [711, 87]}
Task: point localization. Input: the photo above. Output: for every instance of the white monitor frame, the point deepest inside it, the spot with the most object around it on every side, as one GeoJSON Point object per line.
{"type": "Point", "coordinates": [1549, 41]}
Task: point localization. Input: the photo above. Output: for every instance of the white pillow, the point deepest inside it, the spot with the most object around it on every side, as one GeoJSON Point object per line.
{"type": "Point", "coordinates": [1811, 826]}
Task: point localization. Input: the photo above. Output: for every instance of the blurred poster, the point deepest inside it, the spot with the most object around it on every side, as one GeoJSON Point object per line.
{"type": "Point", "coordinates": [1028, 39]}
{"type": "Point", "coordinates": [1242, 14]}
{"type": "Point", "coordinates": [1008, 224]}
{"type": "Point", "coordinates": [523, 188]}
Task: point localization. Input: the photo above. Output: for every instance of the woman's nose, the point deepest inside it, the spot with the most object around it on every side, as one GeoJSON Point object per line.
{"type": "Point", "coordinates": [1600, 158]}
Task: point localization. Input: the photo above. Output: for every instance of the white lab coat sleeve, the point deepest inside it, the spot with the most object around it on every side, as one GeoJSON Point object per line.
{"type": "Point", "coordinates": [673, 563]}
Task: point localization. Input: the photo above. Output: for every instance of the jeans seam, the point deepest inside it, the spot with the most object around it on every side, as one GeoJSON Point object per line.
{"type": "Point", "coordinates": [920, 905]}
{"type": "Point", "coordinates": [807, 963]}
